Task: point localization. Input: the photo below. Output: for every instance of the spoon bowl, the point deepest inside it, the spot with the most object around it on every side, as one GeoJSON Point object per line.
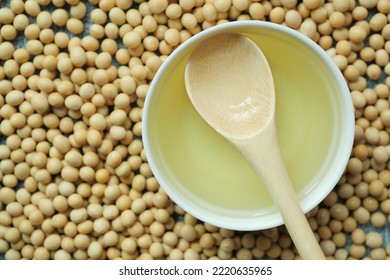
{"type": "Point", "coordinates": [230, 83]}
{"type": "Point", "coordinates": [231, 114]}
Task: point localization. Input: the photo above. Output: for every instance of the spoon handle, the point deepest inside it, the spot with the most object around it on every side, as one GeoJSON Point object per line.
{"type": "Point", "coordinates": [263, 154]}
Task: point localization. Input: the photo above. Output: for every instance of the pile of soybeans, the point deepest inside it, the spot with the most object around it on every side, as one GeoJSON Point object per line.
{"type": "Point", "coordinates": [74, 179]}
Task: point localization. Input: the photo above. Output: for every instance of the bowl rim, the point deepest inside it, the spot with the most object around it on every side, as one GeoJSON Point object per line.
{"type": "Point", "coordinates": [344, 97]}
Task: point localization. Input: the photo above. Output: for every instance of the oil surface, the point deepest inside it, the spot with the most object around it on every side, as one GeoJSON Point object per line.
{"type": "Point", "coordinates": [206, 166]}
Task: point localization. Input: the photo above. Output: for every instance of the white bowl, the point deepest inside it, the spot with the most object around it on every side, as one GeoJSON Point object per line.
{"type": "Point", "coordinates": [206, 176]}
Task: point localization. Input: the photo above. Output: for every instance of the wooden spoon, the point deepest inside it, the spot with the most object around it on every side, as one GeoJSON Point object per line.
{"type": "Point", "coordinates": [230, 84]}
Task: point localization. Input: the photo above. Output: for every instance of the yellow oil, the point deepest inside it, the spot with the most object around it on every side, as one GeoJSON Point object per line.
{"type": "Point", "coordinates": [208, 168]}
